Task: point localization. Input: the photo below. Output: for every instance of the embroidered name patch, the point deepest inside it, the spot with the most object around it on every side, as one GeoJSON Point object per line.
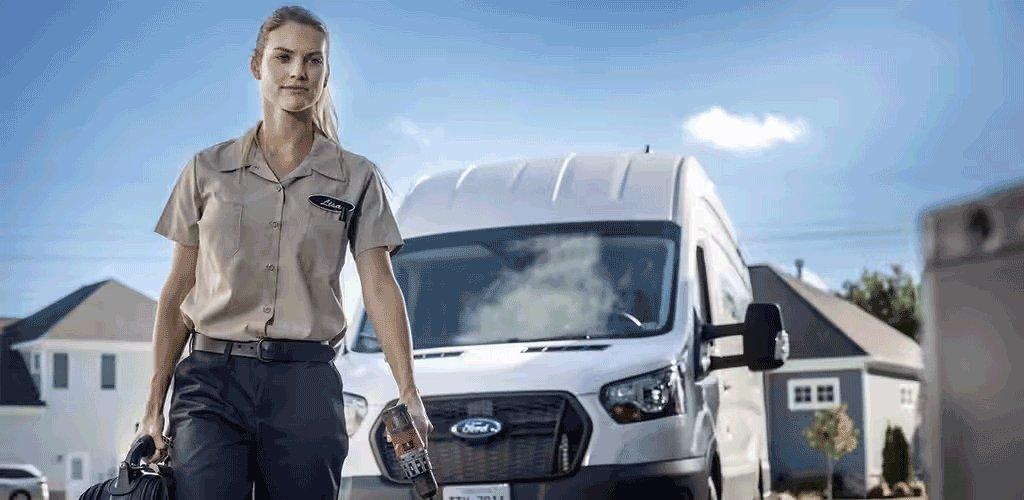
{"type": "Point", "coordinates": [330, 204]}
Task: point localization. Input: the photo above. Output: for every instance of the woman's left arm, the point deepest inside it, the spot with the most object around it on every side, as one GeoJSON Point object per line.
{"type": "Point", "coordinates": [385, 305]}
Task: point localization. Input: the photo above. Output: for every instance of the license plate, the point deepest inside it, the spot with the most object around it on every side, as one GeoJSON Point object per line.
{"type": "Point", "coordinates": [477, 492]}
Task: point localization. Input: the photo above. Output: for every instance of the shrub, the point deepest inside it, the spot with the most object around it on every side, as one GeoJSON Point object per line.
{"type": "Point", "coordinates": [917, 488]}
{"type": "Point", "coordinates": [896, 465]}
{"type": "Point", "coordinates": [880, 491]}
{"type": "Point", "coordinates": [901, 489]}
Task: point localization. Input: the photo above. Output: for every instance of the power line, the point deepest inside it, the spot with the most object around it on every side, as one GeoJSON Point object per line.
{"type": "Point", "coordinates": [79, 258]}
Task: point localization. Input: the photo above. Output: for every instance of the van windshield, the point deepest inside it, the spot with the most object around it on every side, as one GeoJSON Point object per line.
{"type": "Point", "coordinates": [550, 282]}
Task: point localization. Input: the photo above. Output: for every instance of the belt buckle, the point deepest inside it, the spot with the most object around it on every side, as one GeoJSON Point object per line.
{"type": "Point", "coordinates": [259, 350]}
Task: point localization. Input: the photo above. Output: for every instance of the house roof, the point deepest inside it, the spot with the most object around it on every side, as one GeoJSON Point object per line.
{"type": "Point", "coordinates": [16, 387]}
{"type": "Point", "coordinates": [16, 384]}
{"type": "Point", "coordinates": [823, 325]}
{"type": "Point", "coordinates": [107, 310]}
{"type": "Point", "coordinates": [35, 325]}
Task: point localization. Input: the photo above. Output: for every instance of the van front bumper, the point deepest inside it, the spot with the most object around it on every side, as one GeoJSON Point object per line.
{"type": "Point", "coordinates": [683, 479]}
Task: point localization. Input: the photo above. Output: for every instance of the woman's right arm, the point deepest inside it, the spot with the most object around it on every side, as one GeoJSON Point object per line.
{"type": "Point", "coordinates": [169, 336]}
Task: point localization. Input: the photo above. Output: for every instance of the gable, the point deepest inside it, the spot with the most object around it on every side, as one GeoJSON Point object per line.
{"type": "Point", "coordinates": [811, 334]}
{"type": "Point", "coordinates": [38, 323]}
{"type": "Point", "coordinates": [112, 312]}
{"type": "Point", "coordinates": [831, 324]}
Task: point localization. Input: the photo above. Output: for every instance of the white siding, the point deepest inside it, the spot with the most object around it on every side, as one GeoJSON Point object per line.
{"type": "Point", "coordinates": [82, 417]}
{"type": "Point", "coordinates": [884, 407]}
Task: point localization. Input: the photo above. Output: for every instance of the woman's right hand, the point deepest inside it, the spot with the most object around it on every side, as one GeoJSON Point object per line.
{"type": "Point", "coordinates": [154, 427]}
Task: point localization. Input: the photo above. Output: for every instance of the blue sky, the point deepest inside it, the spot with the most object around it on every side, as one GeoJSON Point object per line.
{"type": "Point", "coordinates": [827, 128]}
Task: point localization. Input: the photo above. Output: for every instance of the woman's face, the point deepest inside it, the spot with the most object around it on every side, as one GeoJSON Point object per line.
{"type": "Point", "coordinates": [293, 69]}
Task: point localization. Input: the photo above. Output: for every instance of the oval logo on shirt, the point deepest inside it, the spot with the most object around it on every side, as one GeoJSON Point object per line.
{"type": "Point", "coordinates": [331, 204]}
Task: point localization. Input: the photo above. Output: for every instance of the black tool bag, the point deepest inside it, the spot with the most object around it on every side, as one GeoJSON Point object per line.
{"type": "Point", "coordinates": [135, 481]}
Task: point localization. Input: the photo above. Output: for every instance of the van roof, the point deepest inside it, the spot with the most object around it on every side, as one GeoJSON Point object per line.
{"type": "Point", "coordinates": [572, 188]}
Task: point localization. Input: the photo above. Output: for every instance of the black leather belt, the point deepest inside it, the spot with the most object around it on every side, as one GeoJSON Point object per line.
{"type": "Point", "coordinates": [266, 349]}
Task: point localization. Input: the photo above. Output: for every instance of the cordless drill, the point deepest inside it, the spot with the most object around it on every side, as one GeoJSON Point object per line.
{"type": "Point", "coordinates": [412, 454]}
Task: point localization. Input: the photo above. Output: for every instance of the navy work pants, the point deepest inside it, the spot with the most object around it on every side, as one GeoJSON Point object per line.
{"type": "Point", "coordinates": [242, 426]}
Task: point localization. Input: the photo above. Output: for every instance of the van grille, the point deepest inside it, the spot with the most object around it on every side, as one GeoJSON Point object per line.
{"type": "Point", "coordinates": [544, 435]}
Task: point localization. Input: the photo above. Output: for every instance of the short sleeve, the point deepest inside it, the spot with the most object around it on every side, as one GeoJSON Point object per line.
{"type": "Point", "coordinates": [180, 218]}
{"type": "Point", "coordinates": [373, 224]}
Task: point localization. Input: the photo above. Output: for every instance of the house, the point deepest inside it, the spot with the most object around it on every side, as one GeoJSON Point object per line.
{"type": "Point", "coordinates": [74, 379]}
{"type": "Point", "coordinates": [838, 354]}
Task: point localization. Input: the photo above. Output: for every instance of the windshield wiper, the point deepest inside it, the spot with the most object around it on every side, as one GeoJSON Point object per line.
{"type": "Point", "coordinates": [548, 339]}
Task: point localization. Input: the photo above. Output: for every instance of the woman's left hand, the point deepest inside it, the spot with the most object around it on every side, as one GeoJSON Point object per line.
{"type": "Point", "coordinates": [419, 416]}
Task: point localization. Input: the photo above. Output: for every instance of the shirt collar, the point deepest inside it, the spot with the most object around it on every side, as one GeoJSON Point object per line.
{"type": "Point", "coordinates": [324, 157]}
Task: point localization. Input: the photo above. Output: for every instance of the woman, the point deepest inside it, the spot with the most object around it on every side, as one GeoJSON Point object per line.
{"type": "Point", "coordinates": [261, 225]}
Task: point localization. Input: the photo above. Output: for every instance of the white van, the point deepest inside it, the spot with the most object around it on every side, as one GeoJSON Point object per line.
{"type": "Point", "coordinates": [554, 305]}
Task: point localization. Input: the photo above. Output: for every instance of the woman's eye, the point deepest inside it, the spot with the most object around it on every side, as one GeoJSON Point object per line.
{"type": "Point", "coordinates": [283, 57]}
{"type": "Point", "coordinates": [318, 61]}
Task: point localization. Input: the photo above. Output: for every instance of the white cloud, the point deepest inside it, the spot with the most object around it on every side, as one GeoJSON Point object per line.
{"type": "Point", "coordinates": [724, 130]}
{"type": "Point", "coordinates": [412, 130]}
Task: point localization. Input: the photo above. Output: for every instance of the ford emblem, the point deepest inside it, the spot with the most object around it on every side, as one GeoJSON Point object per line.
{"type": "Point", "coordinates": [475, 428]}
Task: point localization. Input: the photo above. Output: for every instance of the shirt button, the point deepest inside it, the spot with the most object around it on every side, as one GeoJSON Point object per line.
{"type": "Point", "coordinates": [274, 223]}
{"type": "Point", "coordinates": [266, 309]}
{"type": "Point", "coordinates": [279, 188]}
{"type": "Point", "coordinates": [270, 267]}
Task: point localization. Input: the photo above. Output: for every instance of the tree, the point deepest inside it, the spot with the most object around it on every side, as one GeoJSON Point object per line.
{"type": "Point", "coordinates": [832, 433]}
{"type": "Point", "coordinates": [891, 298]}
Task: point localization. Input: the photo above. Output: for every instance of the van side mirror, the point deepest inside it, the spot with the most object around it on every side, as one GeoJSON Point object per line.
{"type": "Point", "coordinates": [765, 341]}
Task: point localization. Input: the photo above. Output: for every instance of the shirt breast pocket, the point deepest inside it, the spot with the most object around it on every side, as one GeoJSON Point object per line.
{"type": "Point", "coordinates": [221, 225]}
{"type": "Point", "coordinates": [325, 232]}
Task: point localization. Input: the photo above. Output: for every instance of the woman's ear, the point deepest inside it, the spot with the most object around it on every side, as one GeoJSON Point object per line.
{"type": "Point", "coordinates": [254, 67]}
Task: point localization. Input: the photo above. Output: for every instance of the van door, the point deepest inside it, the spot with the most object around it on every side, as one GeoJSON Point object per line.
{"type": "Point", "coordinates": [741, 404]}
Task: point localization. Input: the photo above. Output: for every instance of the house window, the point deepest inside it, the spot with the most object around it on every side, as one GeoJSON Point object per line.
{"type": "Point", "coordinates": [60, 370]}
{"type": "Point", "coordinates": [35, 370]}
{"type": "Point", "coordinates": [803, 394]}
{"type": "Point", "coordinates": [826, 393]}
{"type": "Point", "coordinates": [907, 396]}
{"type": "Point", "coordinates": [108, 371]}
{"type": "Point", "coordinates": [813, 393]}
{"type": "Point", "coordinates": [76, 468]}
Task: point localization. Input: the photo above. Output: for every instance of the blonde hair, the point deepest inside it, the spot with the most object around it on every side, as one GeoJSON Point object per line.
{"type": "Point", "coordinates": [325, 117]}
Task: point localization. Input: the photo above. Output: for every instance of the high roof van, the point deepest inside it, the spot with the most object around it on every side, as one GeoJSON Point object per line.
{"type": "Point", "coordinates": [582, 328]}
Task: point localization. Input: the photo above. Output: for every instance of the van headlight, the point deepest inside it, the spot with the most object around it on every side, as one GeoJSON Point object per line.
{"type": "Point", "coordinates": [355, 412]}
{"type": "Point", "coordinates": [645, 397]}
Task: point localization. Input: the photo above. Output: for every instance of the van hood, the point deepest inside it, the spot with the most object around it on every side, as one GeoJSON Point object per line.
{"type": "Point", "coordinates": [506, 367]}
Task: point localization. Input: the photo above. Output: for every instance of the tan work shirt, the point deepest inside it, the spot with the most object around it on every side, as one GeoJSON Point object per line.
{"type": "Point", "coordinates": [271, 250]}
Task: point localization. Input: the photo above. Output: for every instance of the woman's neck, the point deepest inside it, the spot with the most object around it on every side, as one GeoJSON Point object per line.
{"type": "Point", "coordinates": [284, 132]}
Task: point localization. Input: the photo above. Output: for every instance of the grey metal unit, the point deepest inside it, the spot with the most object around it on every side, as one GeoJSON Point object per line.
{"type": "Point", "coordinates": [973, 289]}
